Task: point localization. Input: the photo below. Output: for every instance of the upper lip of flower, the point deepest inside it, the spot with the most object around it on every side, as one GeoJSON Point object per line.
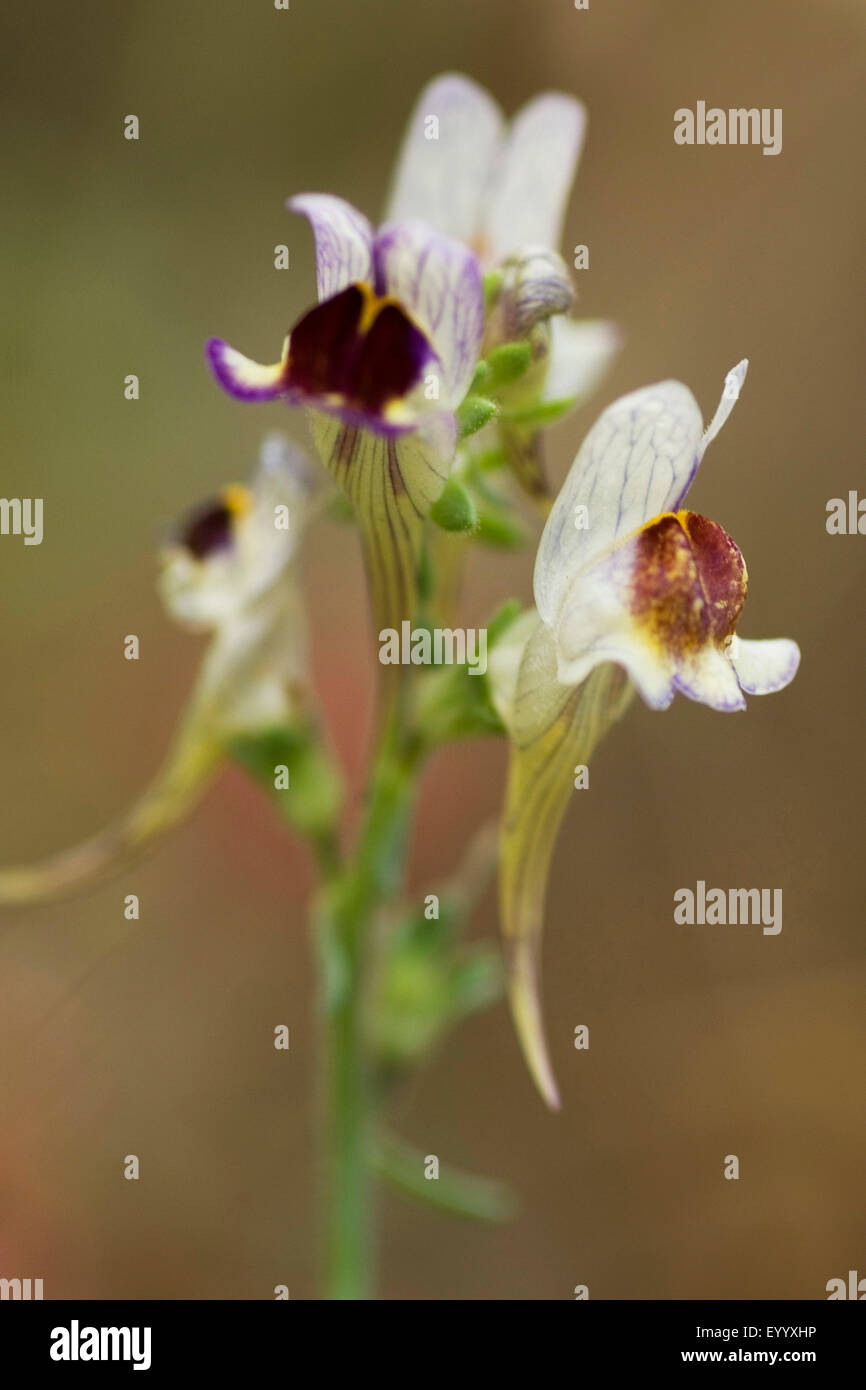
{"type": "Point", "coordinates": [495, 185]}
{"type": "Point", "coordinates": [396, 307]}
{"type": "Point", "coordinates": [643, 584]}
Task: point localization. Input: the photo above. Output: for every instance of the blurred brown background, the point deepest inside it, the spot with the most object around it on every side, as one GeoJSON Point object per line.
{"type": "Point", "coordinates": [121, 257]}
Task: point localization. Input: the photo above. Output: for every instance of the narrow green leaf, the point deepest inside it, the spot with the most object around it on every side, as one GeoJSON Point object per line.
{"type": "Point", "coordinates": [460, 1194]}
{"type": "Point", "coordinates": [502, 620]}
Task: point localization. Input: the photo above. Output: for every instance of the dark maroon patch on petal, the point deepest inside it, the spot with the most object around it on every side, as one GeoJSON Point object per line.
{"type": "Point", "coordinates": [329, 354]}
{"type": "Point", "coordinates": [722, 571]}
{"type": "Point", "coordinates": [391, 360]}
{"type": "Point", "coordinates": [324, 342]}
{"type": "Point", "coordinates": [207, 530]}
{"type": "Point", "coordinates": [689, 583]}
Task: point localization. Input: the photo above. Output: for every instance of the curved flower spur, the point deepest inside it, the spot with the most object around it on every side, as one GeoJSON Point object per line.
{"type": "Point", "coordinates": [628, 587]}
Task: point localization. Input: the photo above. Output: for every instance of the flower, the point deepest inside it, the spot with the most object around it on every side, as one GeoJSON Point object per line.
{"type": "Point", "coordinates": [643, 583]}
{"type": "Point", "coordinates": [228, 569]}
{"type": "Point", "coordinates": [629, 589]}
{"type": "Point", "coordinates": [497, 188]}
{"type": "Point", "coordinates": [382, 362]}
{"type": "Point", "coordinates": [502, 188]}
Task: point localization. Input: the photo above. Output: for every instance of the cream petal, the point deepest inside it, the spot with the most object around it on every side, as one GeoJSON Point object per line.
{"type": "Point", "coordinates": [539, 695]}
{"type": "Point", "coordinates": [241, 376]}
{"type": "Point", "coordinates": [202, 595]}
{"type": "Point", "coordinates": [537, 165]}
{"type": "Point", "coordinates": [581, 351]}
{"type": "Point", "coordinates": [213, 591]}
{"type": "Point", "coordinates": [730, 395]}
{"type": "Point", "coordinates": [283, 480]}
{"type": "Point", "coordinates": [344, 239]}
{"type": "Point", "coordinates": [710, 679]}
{"type": "Point", "coordinates": [504, 661]}
{"type": "Point", "coordinates": [764, 667]}
{"type": "Point", "coordinates": [443, 167]}
{"type": "Point", "coordinates": [637, 461]}
{"type": "Point", "coordinates": [256, 662]}
{"type": "Point", "coordinates": [438, 281]}
{"type": "Point", "coordinates": [286, 470]}
{"type": "Point", "coordinates": [595, 626]}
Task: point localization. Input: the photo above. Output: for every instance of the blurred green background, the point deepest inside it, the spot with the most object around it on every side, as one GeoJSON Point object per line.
{"type": "Point", "coordinates": [123, 257]}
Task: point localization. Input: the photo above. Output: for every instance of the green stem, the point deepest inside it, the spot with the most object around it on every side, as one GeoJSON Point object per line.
{"type": "Point", "coordinates": [370, 878]}
{"type": "Point", "coordinates": [349, 1215]}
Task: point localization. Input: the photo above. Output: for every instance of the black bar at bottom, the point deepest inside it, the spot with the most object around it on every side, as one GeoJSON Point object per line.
{"type": "Point", "coordinates": [221, 1338]}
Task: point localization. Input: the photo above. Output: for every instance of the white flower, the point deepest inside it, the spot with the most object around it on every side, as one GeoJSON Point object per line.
{"type": "Point", "coordinates": [629, 588]}
{"type": "Point", "coordinates": [502, 187]}
{"type": "Point", "coordinates": [381, 363]}
{"type": "Point", "coordinates": [496, 186]}
{"type": "Point", "coordinates": [229, 570]}
{"type": "Point", "coordinates": [624, 575]}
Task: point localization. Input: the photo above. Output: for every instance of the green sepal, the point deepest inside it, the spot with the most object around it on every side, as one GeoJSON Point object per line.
{"type": "Point", "coordinates": [454, 509]}
{"type": "Point", "coordinates": [427, 983]}
{"type": "Point", "coordinates": [451, 703]}
{"type": "Point", "coordinates": [491, 285]}
{"type": "Point", "coordinates": [501, 529]}
{"type": "Point", "coordinates": [482, 372]}
{"type": "Point", "coordinates": [474, 414]}
{"type": "Point", "coordinates": [508, 363]}
{"type": "Point", "coordinates": [540, 413]}
{"type": "Point", "coordinates": [490, 460]}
